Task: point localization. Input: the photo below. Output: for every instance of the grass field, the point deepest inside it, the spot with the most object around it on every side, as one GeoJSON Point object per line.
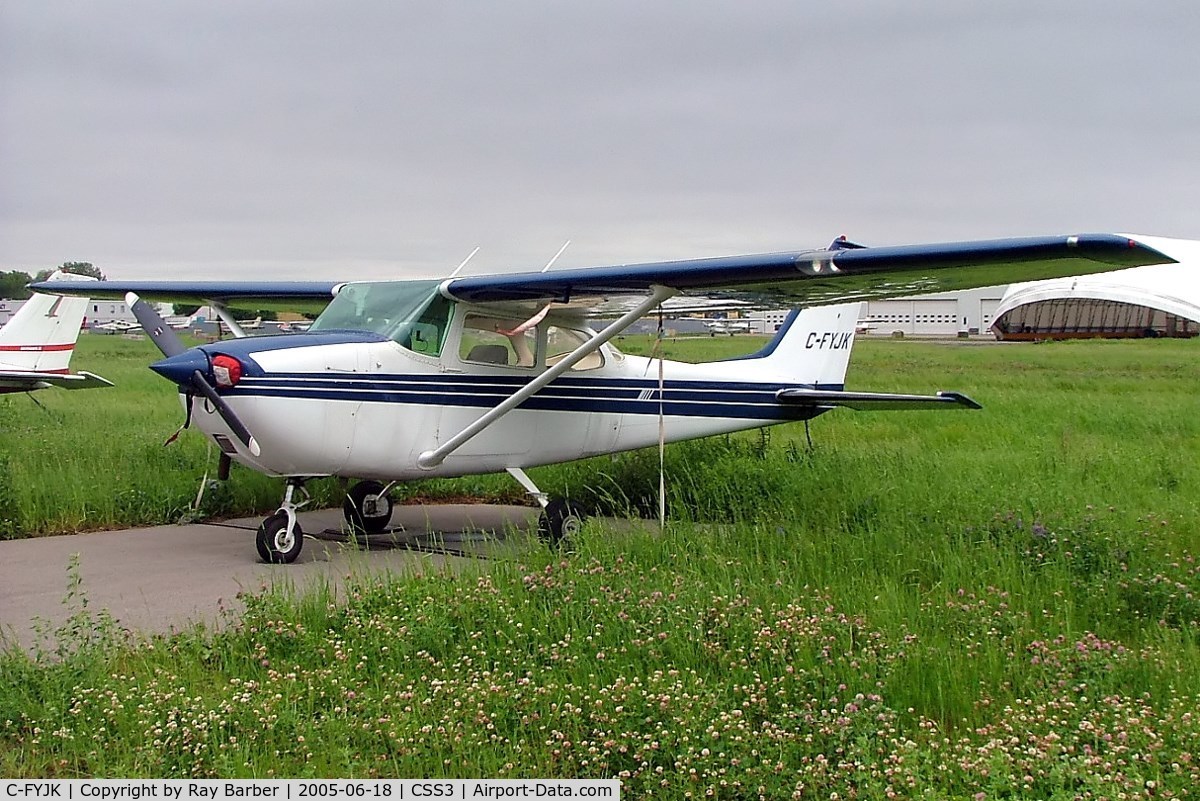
{"type": "Point", "coordinates": [993, 604]}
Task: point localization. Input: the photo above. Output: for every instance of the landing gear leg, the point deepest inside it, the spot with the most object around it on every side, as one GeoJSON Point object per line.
{"type": "Point", "coordinates": [560, 519]}
{"type": "Point", "coordinates": [280, 537]}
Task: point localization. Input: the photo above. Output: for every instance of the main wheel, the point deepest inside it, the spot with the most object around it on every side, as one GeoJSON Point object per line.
{"type": "Point", "coordinates": [560, 521]}
{"type": "Point", "coordinates": [274, 544]}
{"type": "Point", "coordinates": [366, 508]}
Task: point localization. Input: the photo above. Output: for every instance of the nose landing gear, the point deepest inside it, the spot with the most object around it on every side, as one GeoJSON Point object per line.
{"type": "Point", "coordinates": [280, 537]}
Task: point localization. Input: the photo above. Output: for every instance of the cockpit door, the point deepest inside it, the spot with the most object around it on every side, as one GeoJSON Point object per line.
{"type": "Point", "coordinates": [489, 356]}
{"type": "Point", "coordinates": [341, 414]}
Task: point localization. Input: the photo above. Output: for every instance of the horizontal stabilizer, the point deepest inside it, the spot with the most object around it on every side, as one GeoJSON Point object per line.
{"type": "Point", "coordinates": [869, 401]}
{"type": "Point", "coordinates": [25, 380]}
{"type": "Point", "coordinates": [81, 380]}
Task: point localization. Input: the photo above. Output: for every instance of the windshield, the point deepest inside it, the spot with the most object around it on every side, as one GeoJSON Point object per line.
{"type": "Point", "coordinates": [413, 313]}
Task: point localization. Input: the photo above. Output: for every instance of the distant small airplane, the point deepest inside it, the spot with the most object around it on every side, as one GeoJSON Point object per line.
{"type": "Point", "coordinates": [236, 327]}
{"type": "Point", "coordinates": [400, 380]}
{"type": "Point", "coordinates": [116, 327]}
{"type": "Point", "coordinates": [224, 321]}
{"type": "Point", "coordinates": [37, 343]}
{"type": "Point", "coordinates": [730, 327]}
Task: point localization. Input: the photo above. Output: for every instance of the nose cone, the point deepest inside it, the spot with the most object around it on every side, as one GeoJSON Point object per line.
{"type": "Point", "coordinates": [179, 368]}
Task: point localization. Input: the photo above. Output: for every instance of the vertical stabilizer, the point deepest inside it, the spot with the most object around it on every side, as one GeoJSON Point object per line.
{"type": "Point", "coordinates": [41, 336]}
{"type": "Point", "coordinates": [811, 348]}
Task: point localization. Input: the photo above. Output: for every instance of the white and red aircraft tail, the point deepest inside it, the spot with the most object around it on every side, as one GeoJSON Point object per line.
{"type": "Point", "coordinates": [37, 343]}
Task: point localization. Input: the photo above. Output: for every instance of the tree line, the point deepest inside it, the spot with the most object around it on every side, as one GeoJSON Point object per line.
{"type": "Point", "coordinates": [13, 284]}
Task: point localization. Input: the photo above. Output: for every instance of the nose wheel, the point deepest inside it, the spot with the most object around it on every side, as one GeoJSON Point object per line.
{"type": "Point", "coordinates": [280, 537]}
{"type": "Point", "coordinates": [277, 542]}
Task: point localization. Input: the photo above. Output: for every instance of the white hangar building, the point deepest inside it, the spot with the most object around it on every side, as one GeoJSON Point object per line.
{"type": "Point", "coordinates": [1161, 300]}
{"type": "Point", "coordinates": [942, 314]}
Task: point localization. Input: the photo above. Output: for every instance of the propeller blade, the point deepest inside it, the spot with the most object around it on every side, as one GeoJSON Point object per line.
{"type": "Point", "coordinates": [161, 334]}
{"type": "Point", "coordinates": [235, 425]}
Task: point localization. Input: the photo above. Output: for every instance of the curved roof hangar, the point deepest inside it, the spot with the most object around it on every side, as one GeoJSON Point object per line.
{"type": "Point", "coordinates": [1159, 300]}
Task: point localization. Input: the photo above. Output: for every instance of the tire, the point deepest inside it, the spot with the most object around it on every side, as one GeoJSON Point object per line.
{"type": "Point", "coordinates": [271, 528]}
{"type": "Point", "coordinates": [560, 521]}
{"type": "Point", "coordinates": [359, 522]}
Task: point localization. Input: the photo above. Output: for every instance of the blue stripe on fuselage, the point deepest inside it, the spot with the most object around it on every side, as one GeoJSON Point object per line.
{"type": "Point", "coordinates": [741, 400]}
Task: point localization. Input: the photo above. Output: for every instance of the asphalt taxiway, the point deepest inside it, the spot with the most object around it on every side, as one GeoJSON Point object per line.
{"type": "Point", "coordinates": [154, 580]}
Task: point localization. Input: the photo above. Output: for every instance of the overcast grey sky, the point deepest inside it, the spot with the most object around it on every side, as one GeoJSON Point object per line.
{"type": "Point", "coordinates": [248, 138]}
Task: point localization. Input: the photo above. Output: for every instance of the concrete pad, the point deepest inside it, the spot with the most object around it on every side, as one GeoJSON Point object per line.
{"type": "Point", "coordinates": [153, 580]}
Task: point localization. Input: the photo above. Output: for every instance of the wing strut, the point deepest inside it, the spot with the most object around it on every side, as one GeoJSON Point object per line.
{"type": "Point", "coordinates": [235, 328]}
{"type": "Point", "coordinates": [431, 459]}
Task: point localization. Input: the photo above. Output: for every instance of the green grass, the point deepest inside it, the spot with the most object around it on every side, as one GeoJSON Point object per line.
{"type": "Point", "coordinates": [942, 604]}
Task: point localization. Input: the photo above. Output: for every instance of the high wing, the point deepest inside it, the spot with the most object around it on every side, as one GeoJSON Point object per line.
{"type": "Point", "coordinates": [305, 296]}
{"type": "Point", "coordinates": [843, 272]}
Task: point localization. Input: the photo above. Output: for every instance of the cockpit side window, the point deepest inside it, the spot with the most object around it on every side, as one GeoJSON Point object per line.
{"type": "Point", "coordinates": [497, 341]}
{"type": "Point", "coordinates": [427, 335]}
{"type": "Point", "coordinates": [561, 341]}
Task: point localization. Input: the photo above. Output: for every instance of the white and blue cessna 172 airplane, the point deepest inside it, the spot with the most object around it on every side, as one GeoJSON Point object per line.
{"type": "Point", "coordinates": [399, 380]}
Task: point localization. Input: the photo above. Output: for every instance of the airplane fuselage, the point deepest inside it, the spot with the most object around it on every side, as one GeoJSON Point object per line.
{"type": "Point", "coordinates": [369, 410]}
